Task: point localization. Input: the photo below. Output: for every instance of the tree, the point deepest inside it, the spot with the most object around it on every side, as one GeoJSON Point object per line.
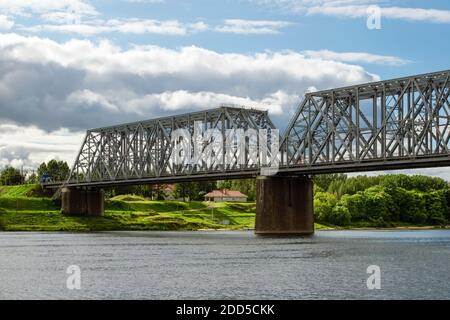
{"type": "Point", "coordinates": [246, 186]}
{"type": "Point", "coordinates": [436, 207]}
{"type": "Point", "coordinates": [224, 184]}
{"type": "Point", "coordinates": [377, 203]}
{"type": "Point", "coordinates": [180, 191]}
{"type": "Point", "coordinates": [57, 170]}
{"type": "Point", "coordinates": [11, 176]}
{"type": "Point", "coordinates": [340, 216]}
{"type": "Point", "coordinates": [324, 203]}
{"type": "Point", "coordinates": [447, 200]}
{"type": "Point", "coordinates": [323, 181]}
{"type": "Point", "coordinates": [203, 187]}
{"type": "Point", "coordinates": [356, 205]}
{"type": "Point", "coordinates": [382, 200]}
{"type": "Point", "coordinates": [42, 169]}
{"type": "Point", "coordinates": [32, 178]}
{"type": "Point", "coordinates": [193, 190]}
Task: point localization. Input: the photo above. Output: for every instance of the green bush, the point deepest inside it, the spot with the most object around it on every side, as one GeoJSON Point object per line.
{"type": "Point", "coordinates": [383, 201]}
{"type": "Point", "coordinates": [356, 205]}
{"type": "Point", "coordinates": [323, 205]}
{"type": "Point", "coordinates": [378, 203]}
{"type": "Point", "coordinates": [436, 205]}
{"type": "Point", "coordinates": [340, 216]}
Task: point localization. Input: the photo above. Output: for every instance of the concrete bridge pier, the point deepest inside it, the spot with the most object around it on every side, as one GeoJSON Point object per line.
{"type": "Point", "coordinates": [284, 206]}
{"type": "Point", "coordinates": [83, 202]}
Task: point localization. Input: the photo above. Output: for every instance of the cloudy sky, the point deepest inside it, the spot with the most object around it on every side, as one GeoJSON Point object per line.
{"type": "Point", "coordinates": [70, 65]}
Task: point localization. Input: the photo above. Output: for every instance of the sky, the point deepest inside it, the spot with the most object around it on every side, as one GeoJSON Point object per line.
{"type": "Point", "coordinates": [70, 65]}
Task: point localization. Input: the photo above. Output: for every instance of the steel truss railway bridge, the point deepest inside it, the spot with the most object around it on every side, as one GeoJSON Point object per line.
{"type": "Point", "coordinates": [394, 124]}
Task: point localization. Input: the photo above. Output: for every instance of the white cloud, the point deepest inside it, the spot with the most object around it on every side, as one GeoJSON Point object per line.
{"type": "Point", "coordinates": [246, 73]}
{"type": "Point", "coordinates": [252, 26]}
{"type": "Point", "coordinates": [358, 9]}
{"type": "Point", "coordinates": [29, 146]}
{"type": "Point", "coordinates": [88, 99]}
{"type": "Point", "coordinates": [355, 57]}
{"type": "Point", "coordinates": [142, 26]}
{"type": "Point", "coordinates": [184, 100]}
{"type": "Point", "coordinates": [417, 14]}
{"type": "Point", "coordinates": [136, 26]}
{"type": "Point", "coordinates": [5, 22]}
{"type": "Point", "coordinates": [198, 26]}
{"type": "Point", "coordinates": [46, 85]}
{"type": "Point", "coordinates": [400, 13]}
{"type": "Point", "coordinates": [27, 7]}
{"type": "Point", "coordinates": [80, 83]}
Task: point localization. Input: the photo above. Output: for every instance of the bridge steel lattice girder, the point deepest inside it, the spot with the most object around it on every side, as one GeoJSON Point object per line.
{"type": "Point", "coordinates": [394, 124]}
{"type": "Point", "coordinates": [140, 152]}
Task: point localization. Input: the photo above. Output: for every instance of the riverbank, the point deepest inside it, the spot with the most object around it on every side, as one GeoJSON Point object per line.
{"type": "Point", "coordinates": [22, 209]}
{"type": "Point", "coordinates": [131, 216]}
{"type": "Point", "coordinates": [124, 213]}
{"type": "Point", "coordinates": [26, 208]}
{"type": "Point", "coordinates": [172, 216]}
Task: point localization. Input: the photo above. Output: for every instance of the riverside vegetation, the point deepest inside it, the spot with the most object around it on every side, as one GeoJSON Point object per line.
{"type": "Point", "coordinates": [339, 202]}
{"type": "Point", "coordinates": [27, 208]}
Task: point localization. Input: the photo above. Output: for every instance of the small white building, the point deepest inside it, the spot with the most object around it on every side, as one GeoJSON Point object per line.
{"type": "Point", "coordinates": [226, 195]}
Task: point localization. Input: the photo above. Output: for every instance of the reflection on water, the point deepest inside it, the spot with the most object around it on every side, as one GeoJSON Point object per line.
{"type": "Point", "coordinates": [225, 265]}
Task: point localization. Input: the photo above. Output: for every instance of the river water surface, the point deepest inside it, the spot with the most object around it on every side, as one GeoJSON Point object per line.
{"type": "Point", "coordinates": [225, 265]}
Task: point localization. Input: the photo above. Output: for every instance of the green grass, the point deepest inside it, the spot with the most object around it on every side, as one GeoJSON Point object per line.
{"type": "Point", "coordinates": [26, 213]}
{"type": "Point", "coordinates": [26, 208]}
{"type": "Point", "coordinates": [127, 197]}
{"type": "Point", "coordinates": [24, 203]}
{"type": "Point", "coordinates": [318, 226]}
{"type": "Point", "coordinates": [157, 206]}
{"type": "Point", "coordinates": [55, 221]}
{"type": "Point", "coordinates": [191, 219]}
{"type": "Point", "coordinates": [26, 190]}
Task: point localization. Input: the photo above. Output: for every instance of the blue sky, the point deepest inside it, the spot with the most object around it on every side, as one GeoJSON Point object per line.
{"type": "Point", "coordinates": [68, 65]}
{"type": "Point", "coordinates": [420, 42]}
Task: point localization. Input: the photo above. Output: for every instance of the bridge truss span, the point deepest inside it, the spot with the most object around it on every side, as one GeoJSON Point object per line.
{"type": "Point", "coordinates": [400, 123]}
{"type": "Point", "coordinates": [394, 124]}
{"type": "Point", "coordinates": [141, 152]}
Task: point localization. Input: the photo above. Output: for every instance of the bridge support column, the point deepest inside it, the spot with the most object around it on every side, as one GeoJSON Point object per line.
{"type": "Point", "coordinates": [284, 206]}
{"type": "Point", "coordinates": [83, 202]}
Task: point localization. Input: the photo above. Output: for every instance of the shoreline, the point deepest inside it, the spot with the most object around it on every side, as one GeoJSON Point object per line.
{"type": "Point", "coordinates": [22, 211]}
{"type": "Point", "coordinates": [424, 228]}
{"type": "Point", "coordinates": [327, 229]}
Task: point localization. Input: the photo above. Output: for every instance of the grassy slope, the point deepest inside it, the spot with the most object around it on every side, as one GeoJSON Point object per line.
{"type": "Point", "coordinates": [17, 191]}
{"type": "Point", "coordinates": [23, 209]}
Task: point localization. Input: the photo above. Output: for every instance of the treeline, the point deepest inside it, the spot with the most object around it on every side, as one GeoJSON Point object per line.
{"type": "Point", "coordinates": [382, 200]}
{"type": "Point", "coordinates": [55, 170]}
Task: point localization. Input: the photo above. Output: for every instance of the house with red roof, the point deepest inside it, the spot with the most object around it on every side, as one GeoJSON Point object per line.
{"type": "Point", "coordinates": [226, 195]}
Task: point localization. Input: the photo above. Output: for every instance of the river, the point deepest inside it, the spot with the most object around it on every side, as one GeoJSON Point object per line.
{"type": "Point", "coordinates": [225, 265]}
